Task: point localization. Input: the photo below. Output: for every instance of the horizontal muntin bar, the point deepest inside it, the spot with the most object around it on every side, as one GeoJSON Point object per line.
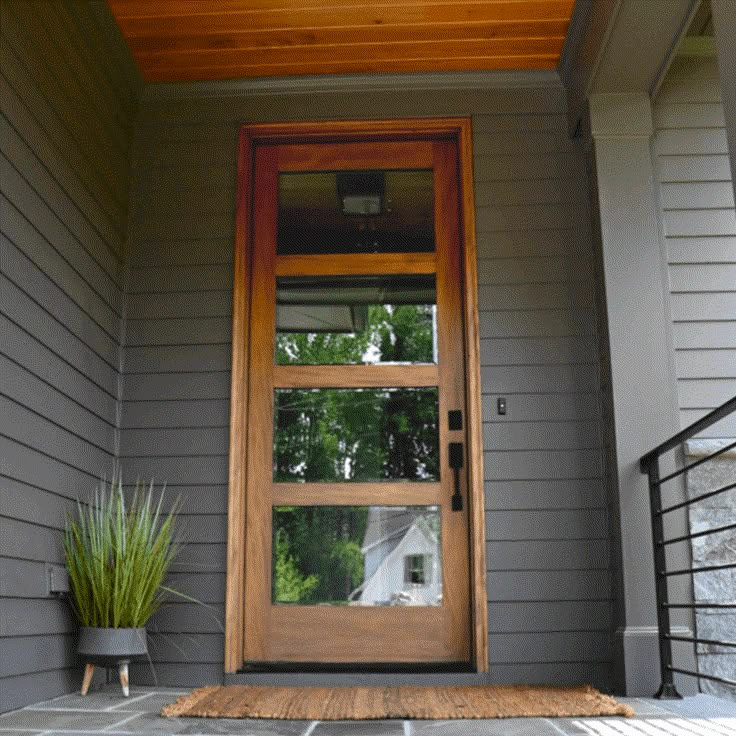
{"type": "Point", "coordinates": [730, 604]}
{"type": "Point", "coordinates": [688, 433]}
{"type": "Point", "coordinates": [696, 464]}
{"type": "Point", "coordinates": [709, 568]}
{"type": "Point", "coordinates": [704, 533]}
{"type": "Point", "coordinates": [702, 497]}
{"type": "Point", "coordinates": [701, 676]}
{"type": "Point", "coordinates": [696, 640]}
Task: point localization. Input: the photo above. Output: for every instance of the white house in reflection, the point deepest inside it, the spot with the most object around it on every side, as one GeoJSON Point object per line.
{"type": "Point", "coordinates": [402, 554]}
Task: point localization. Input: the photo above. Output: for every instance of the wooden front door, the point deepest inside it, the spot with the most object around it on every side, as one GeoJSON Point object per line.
{"type": "Point", "coordinates": [356, 536]}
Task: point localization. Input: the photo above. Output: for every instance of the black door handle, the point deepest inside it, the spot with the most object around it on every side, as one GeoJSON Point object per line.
{"type": "Point", "coordinates": [456, 462]}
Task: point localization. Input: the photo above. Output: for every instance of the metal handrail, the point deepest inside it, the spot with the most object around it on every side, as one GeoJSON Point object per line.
{"type": "Point", "coordinates": [649, 464]}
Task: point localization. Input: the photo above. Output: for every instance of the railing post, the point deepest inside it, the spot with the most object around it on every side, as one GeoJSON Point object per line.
{"type": "Point", "coordinates": [667, 688]}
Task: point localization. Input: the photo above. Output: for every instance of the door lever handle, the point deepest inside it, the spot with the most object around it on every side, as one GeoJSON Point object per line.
{"type": "Point", "coordinates": [456, 462]}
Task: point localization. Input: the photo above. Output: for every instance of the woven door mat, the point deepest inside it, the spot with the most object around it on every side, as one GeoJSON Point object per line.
{"type": "Point", "coordinates": [406, 702]}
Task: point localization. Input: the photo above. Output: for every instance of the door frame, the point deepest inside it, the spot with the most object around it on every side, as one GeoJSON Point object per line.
{"type": "Point", "coordinates": [459, 130]}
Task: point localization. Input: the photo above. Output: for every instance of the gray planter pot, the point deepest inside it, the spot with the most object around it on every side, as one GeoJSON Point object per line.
{"type": "Point", "coordinates": [110, 647]}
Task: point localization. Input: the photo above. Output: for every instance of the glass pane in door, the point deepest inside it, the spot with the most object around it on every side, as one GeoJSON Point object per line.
{"type": "Point", "coordinates": [342, 435]}
{"type": "Point", "coordinates": [357, 556]}
{"type": "Point", "coordinates": [376, 320]}
{"type": "Point", "coordinates": [355, 212]}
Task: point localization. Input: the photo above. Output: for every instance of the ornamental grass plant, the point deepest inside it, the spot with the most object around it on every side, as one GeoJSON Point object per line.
{"type": "Point", "coordinates": [118, 554]}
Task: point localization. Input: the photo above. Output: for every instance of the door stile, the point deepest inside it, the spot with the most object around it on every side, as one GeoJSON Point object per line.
{"type": "Point", "coordinates": [452, 396]}
{"type": "Point", "coordinates": [260, 381]}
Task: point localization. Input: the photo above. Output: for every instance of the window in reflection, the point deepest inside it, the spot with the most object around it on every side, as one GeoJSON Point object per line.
{"type": "Point", "coordinates": [357, 555]}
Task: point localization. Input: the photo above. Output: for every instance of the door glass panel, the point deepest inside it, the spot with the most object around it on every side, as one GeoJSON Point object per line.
{"type": "Point", "coordinates": [348, 320]}
{"type": "Point", "coordinates": [340, 435]}
{"type": "Point", "coordinates": [355, 212]}
{"type": "Point", "coordinates": [357, 555]}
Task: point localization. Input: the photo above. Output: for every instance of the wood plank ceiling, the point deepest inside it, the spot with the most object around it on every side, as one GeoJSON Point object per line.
{"type": "Point", "coordinates": [176, 40]}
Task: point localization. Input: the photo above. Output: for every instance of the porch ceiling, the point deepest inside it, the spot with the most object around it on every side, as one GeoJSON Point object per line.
{"type": "Point", "coordinates": [177, 40]}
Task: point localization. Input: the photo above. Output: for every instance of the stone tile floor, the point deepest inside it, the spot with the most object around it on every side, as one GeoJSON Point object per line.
{"type": "Point", "coordinates": [107, 713]}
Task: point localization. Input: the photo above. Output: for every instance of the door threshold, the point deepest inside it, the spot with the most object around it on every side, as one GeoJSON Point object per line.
{"type": "Point", "coordinates": [358, 668]}
{"type": "Point", "coordinates": [348, 678]}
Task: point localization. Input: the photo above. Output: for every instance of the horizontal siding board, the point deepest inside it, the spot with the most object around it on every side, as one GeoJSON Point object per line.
{"type": "Point", "coordinates": [695, 222]}
{"type": "Point", "coordinates": [33, 654]}
{"type": "Point", "coordinates": [141, 414]}
{"type": "Point", "coordinates": [538, 351]}
{"type": "Point", "coordinates": [22, 387]}
{"type": "Point", "coordinates": [182, 674]}
{"type": "Point", "coordinates": [27, 427]}
{"type": "Point", "coordinates": [55, 231]}
{"type": "Point", "coordinates": [500, 218]}
{"type": "Point", "coordinates": [703, 277]}
{"type": "Point", "coordinates": [704, 307]}
{"type": "Point", "coordinates": [678, 115]}
{"type": "Point", "coordinates": [181, 331]}
{"type": "Point", "coordinates": [194, 305]}
{"type": "Point", "coordinates": [706, 363]}
{"type": "Point", "coordinates": [541, 407]}
{"type": "Point", "coordinates": [546, 524]}
{"type": "Point", "coordinates": [181, 278]}
{"type": "Point", "coordinates": [687, 168]}
{"type": "Point", "coordinates": [178, 358]}
{"type": "Point", "coordinates": [32, 280]}
{"type": "Point", "coordinates": [538, 616]}
{"type": "Point", "coordinates": [16, 692]}
{"type": "Point", "coordinates": [518, 270]}
{"type": "Point", "coordinates": [178, 470]}
{"type": "Point", "coordinates": [46, 148]}
{"type": "Point", "coordinates": [183, 648]}
{"type": "Point", "coordinates": [532, 192]}
{"type": "Point", "coordinates": [706, 334]}
{"type": "Point", "coordinates": [169, 252]}
{"type": "Point", "coordinates": [199, 441]}
{"type": "Point", "coordinates": [58, 269]}
{"type": "Point", "coordinates": [26, 313]}
{"type": "Point", "coordinates": [552, 673]}
{"type": "Point", "coordinates": [29, 541]}
{"type": "Point", "coordinates": [726, 428]}
{"type": "Point", "coordinates": [525, 495]}
{"type": "Point", "coordinates": [706, 394]}
{"type": "Point", "coordinates": [23, 348]}
{"type": "Point", "coordinates": [549, 647]}
{"type": "Point", "coordinates": [541, 435]}
{"type": "Point", "coordinates": [697, 249]}
{"type": "Point", "coordinates": [91, 228]}
{"type": "Point", "coordinates": [50, 616]}
{"type": "Point", "coordinates": [548, 585]}
{"type": "Point", "coordinates": [27, 465]}
{"type": "Point", "coordinates": [22, 579]}
{"type": "Point", "coordinates": [177, 386]}
{"type": "Point", "coordinates": [557, 554]}
{"type": "Point", "coordinates": [533, 297]}
{"type": "Point", "coordinates": [684, 141]}
{"type": "Point", "coordinates": [537, 323]}
{"type": "Point", "coordinates": [545, 379]}
{"type": "Point", "coordinates": [697, 195]}
{"type": "Point", "coordinates": [24, 502]}
{"type": "Point", "coordinates": [189, 618]}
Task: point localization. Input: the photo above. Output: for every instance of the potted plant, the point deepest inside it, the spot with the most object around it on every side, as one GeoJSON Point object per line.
{"type": "Point", "coordinates": [118, 554]}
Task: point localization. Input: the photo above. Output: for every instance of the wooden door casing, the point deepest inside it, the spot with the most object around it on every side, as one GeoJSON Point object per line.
{"type": "Point", "coordinates": [442, 149]}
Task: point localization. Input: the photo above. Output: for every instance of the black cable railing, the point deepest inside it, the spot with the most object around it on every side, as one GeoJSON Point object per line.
{"type": "Point", "coordinates": [650, 466]}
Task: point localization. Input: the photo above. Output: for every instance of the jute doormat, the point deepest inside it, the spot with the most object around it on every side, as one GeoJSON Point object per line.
{"type": "Point", "coordinates": [368, 703]}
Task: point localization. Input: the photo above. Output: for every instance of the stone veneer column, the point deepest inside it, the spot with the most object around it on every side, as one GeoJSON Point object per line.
{"type": "Point", "coordinates": [643, 401]}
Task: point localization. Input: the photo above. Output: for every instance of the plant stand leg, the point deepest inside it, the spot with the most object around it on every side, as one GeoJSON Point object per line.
{"type": "Point", "coordinates": [89, 670]}
{"type": "Point", "coordinates": [124, 682]}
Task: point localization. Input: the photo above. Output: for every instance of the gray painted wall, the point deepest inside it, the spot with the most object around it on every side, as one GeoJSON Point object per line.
{"type": "Point", "coordinates": [548, 581]}
{"type": "Point", "coordinates": [699, 230]}
{"type": "Point", "coordinates": [68, 92]}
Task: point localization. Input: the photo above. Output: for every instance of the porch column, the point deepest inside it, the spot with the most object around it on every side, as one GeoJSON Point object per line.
{"type": "Point", "coordinates": [724, 25]}
{"type": "Point", "coordinates": [642, 398]}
